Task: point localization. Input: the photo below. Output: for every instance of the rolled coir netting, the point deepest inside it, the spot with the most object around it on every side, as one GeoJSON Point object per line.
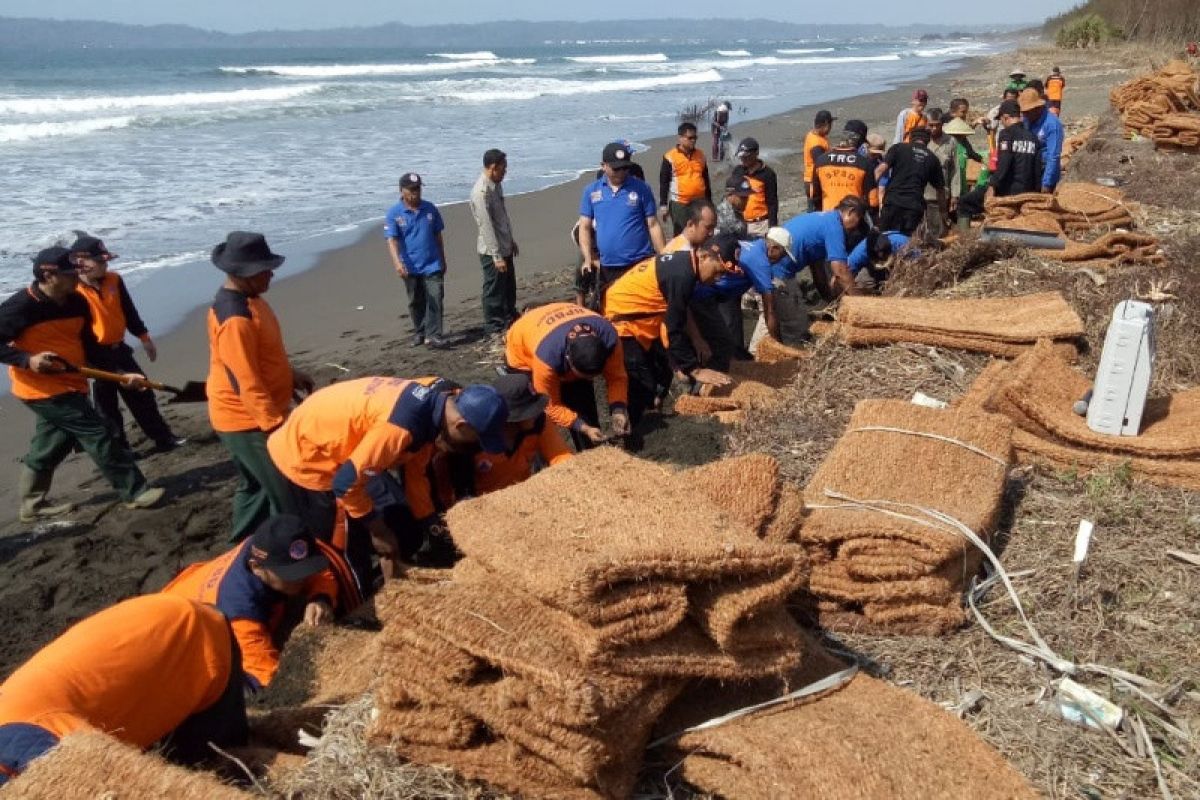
{"type": "Point", "coordinates": [632, 550]}
{"type": "Point", "coordinates": [463, 658]}
{"type": "Point", "coordinates": [1000, 326]}
{"type": "Point", "coordinates": [862, 741]}
{"type": "Point", "coordinates": [751, 489]}
{"type": "Point", "coordinates": [91, 765]}
{"type": "Point", "coordinates": [1110, 249]}
{"type": "Point", "coordinates": [1162, 106]}
{"type": "Point", "coordinates": [770, 351]}
{"type": "Point", "coordinates": [1076, 210]}
{"type": "Point", "coordinates": [1038, 392]}
{"type": "Point", "coordinates": [881, 559]}
{"type": "Point", "coordinates": [755, 385]}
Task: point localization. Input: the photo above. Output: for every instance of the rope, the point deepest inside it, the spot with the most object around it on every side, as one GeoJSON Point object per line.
{"type": "Point", "coordinates": [926, 435]}
{"type": "Point", "coordinates": [834, 681]}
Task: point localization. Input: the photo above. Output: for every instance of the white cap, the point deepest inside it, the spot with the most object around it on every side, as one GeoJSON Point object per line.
{"type": "Point", "coordinates": [783, 238]}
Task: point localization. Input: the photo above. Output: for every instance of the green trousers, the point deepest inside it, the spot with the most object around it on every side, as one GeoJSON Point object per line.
{"type": "Point", "coordinates": [262, 489]}
{"type": "Point", "coordinates": [67, 419]}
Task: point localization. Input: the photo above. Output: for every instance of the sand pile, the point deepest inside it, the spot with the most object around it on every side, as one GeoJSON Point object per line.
{"type": "Point", "coordinates": [91, 765]}
{"type": "Point", "coordinates": [544, 659]}
{"type": "Point", "coordinates": [1003, 327]}
{"type": "Point", "coordinates": [1037, 392]}
{"type": "Point", "coordinates": [881, 558]}
{"type": "Point", "coordinates": [1162, 106]}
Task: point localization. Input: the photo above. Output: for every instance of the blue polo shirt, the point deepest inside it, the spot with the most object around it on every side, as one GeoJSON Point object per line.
{"type": "Point", "coordinates": [621, 233]}
{"type": "Point", "coordinates": [415, 232]}
{"type": "Point", "coordinates": [816, 237]}
{"type": "Point", "coordinates": [755, 274]}
{"type": "Point", "coordinates": [1049, 133]}
{"type": "Point", "coordinates": [860, 260]}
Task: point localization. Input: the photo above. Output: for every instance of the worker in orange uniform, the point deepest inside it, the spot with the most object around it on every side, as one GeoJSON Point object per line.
{"type": "Point", "coordinates": [682, 178]}
{"type": "Point", "coordinates": [563, 347]}
{"type": "Point", "coordinates": [344, 434]}
{"type": "Point", "coordinates": [45, 334]}
{"type": "Point", "coordinates": [816, 142]}
{"type": "Point", "coordinates": [536, 444]}
{"type": "Point", "coordinates": [250, 380]}
{"type": "Point", "coordinates": [656, 294]}
{"type": "Point", "coordinates": [762, 207]}
{"type": "Point", "coordinates": [911, 118]}
{"type": "Point", "coordinates": [844, 171]}
{"type": "Point", "coordinates": [1055, 83]}
{"type": "Point", "coordinates": [152, 670]}
{"type": "Point", "coordinates": [253, 583]}
{"type": "Point", "coordinates": [113, 313]}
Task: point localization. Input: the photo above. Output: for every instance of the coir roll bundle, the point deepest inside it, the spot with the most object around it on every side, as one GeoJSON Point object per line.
{"type": "Point", "coordinates": [663, 582]}
{"type": "Point", "coordinates": [1004, 327]}
{"type": "Point", "coordinates": [881, 557]}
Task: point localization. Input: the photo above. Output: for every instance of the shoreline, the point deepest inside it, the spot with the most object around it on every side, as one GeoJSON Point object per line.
{"type": "Point", "coordinates": [347, 298]}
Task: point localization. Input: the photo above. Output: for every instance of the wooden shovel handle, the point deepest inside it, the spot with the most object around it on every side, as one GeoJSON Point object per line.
{"type": "Point", "coordinates": [116, 377]}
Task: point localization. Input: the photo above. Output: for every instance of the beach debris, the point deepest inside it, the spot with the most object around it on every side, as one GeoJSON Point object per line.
{"type": "Point", "coordinates": [922, 399]}
{"type": "Point", "coordinates": [1076, 703]}
{"type": "Point", "coordinates": [1187, 558]}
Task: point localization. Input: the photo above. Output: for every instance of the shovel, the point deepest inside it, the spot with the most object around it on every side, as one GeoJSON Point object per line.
{"type": "Point", "coordinates": [192, 391]}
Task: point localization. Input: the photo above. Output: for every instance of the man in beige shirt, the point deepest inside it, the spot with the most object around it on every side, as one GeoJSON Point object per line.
{"type": "Point", "coordinates": [497, 250]}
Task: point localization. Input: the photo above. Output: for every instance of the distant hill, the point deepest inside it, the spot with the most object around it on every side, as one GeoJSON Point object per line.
{"type": "Point", "coordinates": [1168, 21]}
{"type": "Point", "coordinates": [43, 34]}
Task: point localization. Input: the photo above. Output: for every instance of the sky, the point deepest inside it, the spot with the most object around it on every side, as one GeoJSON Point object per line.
{"type": "Point", "coordinates": [245, 15]}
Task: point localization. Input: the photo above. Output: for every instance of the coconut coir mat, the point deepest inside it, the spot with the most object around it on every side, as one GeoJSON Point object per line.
{"type": "Point", "coordinates": [900, 569]}
{"type": "Point", "coordinates": [1037, 392]}
{"type": "Point", "coordinates": [750, 489]}
{"type": "Point", "coordinates": [91, 765]}
{"type": "Point", "coordinates": [1000, 326]}
{"type": "Point", "coordinates": [625, 556]}
{"type": "Point", "coordinates": [830, 748]}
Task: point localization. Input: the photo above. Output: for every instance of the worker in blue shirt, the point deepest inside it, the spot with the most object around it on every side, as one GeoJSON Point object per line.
{"type": "Point", "coordinates": [756, 260]}
{"type": "Point", "coordinates": [876, 252]}
{"type": "Point", "coordinates": [413, 228]}
{"type": "Point", "coordinates": [619, 214]}
{"type": "Point", "coordinates": [1049, 132]}
{"type": "Point", "coordinates": [819, 242]}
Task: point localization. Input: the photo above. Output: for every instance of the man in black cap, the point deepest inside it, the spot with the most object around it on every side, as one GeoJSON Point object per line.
{"type": "Point", "coordinates": [45, 335]}
{"type": "Point", "coordinates": [413, 228]}
{"type": "Point", "coordinates": [913, 167]}
{"type": "Point", "coordinates": [250, 379]}
{"type": "Point", "coordinates": [762, 206]}
{"type": "Point", "coordinates": [1018, 168]}
{"type": "Point", "coordinates": [729, 211]}
{"type": "Point", "coordinates": [619, 214]}
{"type": "Point", "coordinates": [113, 313]}
{"type": "Point", "coordinates": [253, 583]}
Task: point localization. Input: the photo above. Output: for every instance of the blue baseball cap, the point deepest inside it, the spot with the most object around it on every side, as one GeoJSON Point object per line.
{"type": "Point", "coordinates": [485, 410]}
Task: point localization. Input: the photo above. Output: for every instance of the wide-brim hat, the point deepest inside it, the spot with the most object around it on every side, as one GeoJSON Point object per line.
{"type": "Point", "coordinates": [1030, 99]}
{"type": "Point", "coordinates": [523, 402]}
{"type": "Point", "coordinates": [956, 127]}
{"type": "Point", "coordinates": [244, 254]}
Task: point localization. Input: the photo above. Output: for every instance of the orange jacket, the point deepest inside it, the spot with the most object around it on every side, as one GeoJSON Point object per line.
{"type": "Point", "coordinates": [1054, 87]}
{"type": "Point", "coordinates": [135, 670]}
{"type": "Point", "coordinates": [763, 202]}
{"type": "Point", "coordinates": [493, 473]}
{"type": "Point", "coordinates": [342, 434]}
{"type": "Point", "coordinates": [537, 344]}
{"type": "Point", "coordinates": [683, 178]}
{"type": "Point", "coordinates": [32, 323]}
{"type": "Point", "coordinates": [812, 141]}
{"type": "Point", "coordinates": [113, 311]}
{"type": "Point", "coordinates": [652, 295]}
{"type": "Point", "coordinates": [842, 172]}
{"type": "Point", "coordinates": [249, 376]}
{"type": "Point", "coordinates": [255, 610]}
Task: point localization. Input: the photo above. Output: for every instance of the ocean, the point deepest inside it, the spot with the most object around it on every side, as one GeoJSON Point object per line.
{"type": "Point", "coordinates": [160, 153]}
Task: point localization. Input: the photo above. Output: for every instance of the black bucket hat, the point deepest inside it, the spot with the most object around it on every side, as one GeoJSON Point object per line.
{"type": "Point", "coordinates": [523, 402]}
{"type": "Point", "coordinates": [244, 254]}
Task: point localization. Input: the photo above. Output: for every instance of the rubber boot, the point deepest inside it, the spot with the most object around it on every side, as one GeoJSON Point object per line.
{"type": "Point", "coordinates": [33, 488]}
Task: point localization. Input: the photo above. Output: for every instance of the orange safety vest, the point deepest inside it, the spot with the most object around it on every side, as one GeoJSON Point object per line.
{"type": "Point", "coordinates": [687, 174]}
{"type": "Point", "coordinates": [812, 140]}
{"type": "Point", "coordinates": [108, 318]}
{"type": "Point", "coordinates": [636, 305]}
{"type": "Point", "coordinates": [1054, 87]}
{"type": "Point", "coordinates": [42, 324]}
